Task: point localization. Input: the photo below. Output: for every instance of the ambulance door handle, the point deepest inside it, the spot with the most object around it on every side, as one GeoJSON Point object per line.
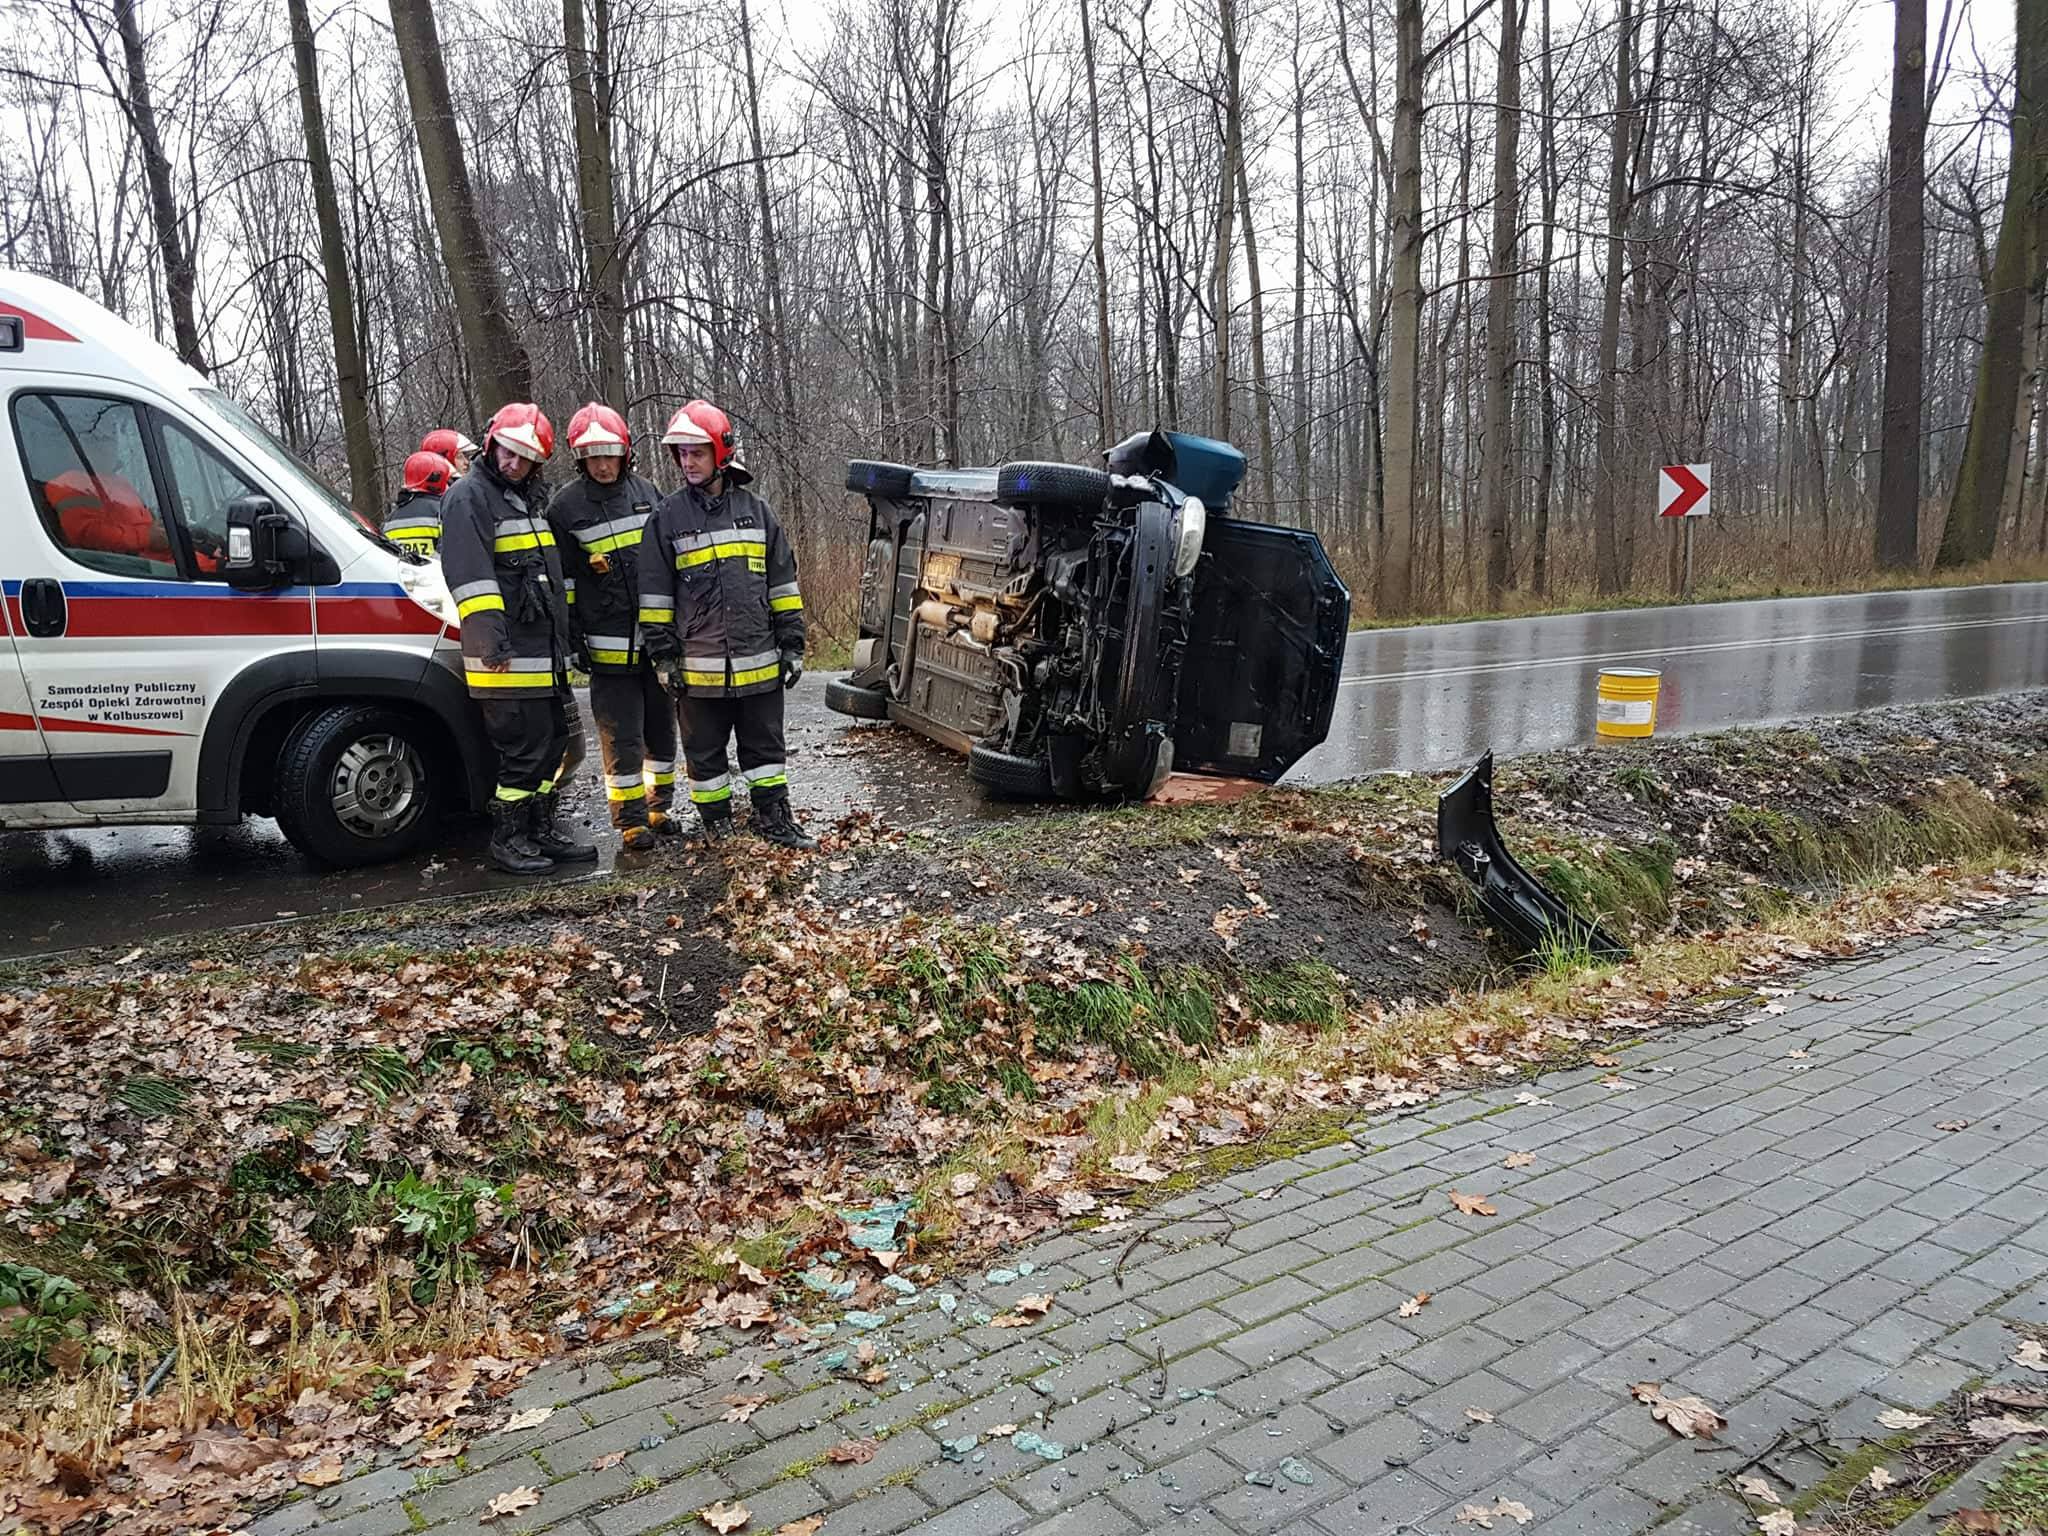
{"type": "Point", "coordinates": [42, 607]}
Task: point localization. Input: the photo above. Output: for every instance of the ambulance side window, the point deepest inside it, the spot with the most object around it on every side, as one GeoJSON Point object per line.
{"type": "Point", "coordinates": [88, 473]}
{"type": "Point", "coordinates": [202, 485]}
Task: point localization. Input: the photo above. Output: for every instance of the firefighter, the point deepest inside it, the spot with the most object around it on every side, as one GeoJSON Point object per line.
{"type": "Point", "coordinates": [499, 558]}
{"type": "Point", "coordinates": [598, 519]}
{"type": "Point", "coordinates": [721, 615]}
{"type": "Point", "coordinates": [414, 521]}
{"type": "Point", "coordinates": [457, 449]}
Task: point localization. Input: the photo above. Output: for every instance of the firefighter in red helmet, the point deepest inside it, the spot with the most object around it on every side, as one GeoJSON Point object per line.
{"type": "Point", "coordinates": [452, 446]}
{"type": "Point", "coordinates": [598, 519]}
{"type": "Point", "coordinates": [722, 615]}
{"type": "Point", "coordinates": [498, 555]}
{"type": "Point", "coordinates": [414, 521]}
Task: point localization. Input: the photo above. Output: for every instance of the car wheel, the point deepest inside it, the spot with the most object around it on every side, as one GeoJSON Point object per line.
{"type": "Point", "coordinates": [1026, 778]}
{"type": "Point", "coordinates": [357, 784]}
{"type": "Point", "coordinates": [850, 699]}
{"type": "Point", "coordinates": [1028, 483]}
{"type": "Point", "coordinates": [870, 477]}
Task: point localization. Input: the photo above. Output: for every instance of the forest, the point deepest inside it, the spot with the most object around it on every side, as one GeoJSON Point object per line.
{"type": "Point", "coordinates": [1456, 277]}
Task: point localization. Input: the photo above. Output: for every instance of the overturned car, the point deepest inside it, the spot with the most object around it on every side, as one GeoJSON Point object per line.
{"type": "Point", "coordinates": [1082, 633]}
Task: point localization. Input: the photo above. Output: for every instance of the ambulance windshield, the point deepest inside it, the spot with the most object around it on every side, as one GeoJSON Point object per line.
{"type": "Point", "coordinates": [280, 459]}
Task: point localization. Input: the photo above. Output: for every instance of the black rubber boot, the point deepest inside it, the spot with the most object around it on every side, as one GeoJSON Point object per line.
{"type": "Point", "coordinates": [718, 823]}
{"type": "Point", "coordinates": [774, 822]}
{"type": "Point", "coordinates": [563, 850]}
{"type": "Point", "coordinates": [511, 849]}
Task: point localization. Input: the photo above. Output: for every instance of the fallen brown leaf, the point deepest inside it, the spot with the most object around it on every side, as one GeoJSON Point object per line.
{"type": "Point", "coordinates": [509, 1504]}
{"type": "Point", "coordinates": [1880, 1478]}
{"type": "Point", "coordinates": [1757, 1488]}
{"type": "Point", "coordinates": [607, 1461]}
{"type": "Point", "coordinates": [2005, 1426]}
{"type": "Point", "coordinates": [1002, 1431]}
{"type": "Point", "coordinates": [1898, 1418]}
{"type": "Point", "coordinates": [324, 1473]}
{"type": "Point", "coordinates": [1473, 1205]}
{"type": "Point", "coordinates": [1687, 1416]}
{"type": "Point", "coordinates": [532, 1418]}
{"type": "Point", "coordinates": [741, 1409]}
{"type": "Point", "coordinates": [810, 1525]}
{"type": "Point", "coordinates": [1606, 1061]}
{"type": "Point", "coordinates": [1475, 1514]}
{"type": "Point", "coordinates": [725, 1517]}
{"type": "Point", "coordinates": [2032, 1355]}
{"type": "Point", "coordinates": [1982, 1522]}
{"type": "Point", "coordinates": [2015, 1397]}
{"type": "Point", "coordinates": [856, 1453]}
{"type": "Point", "coordinates": [1414, 1304]}
{"type": "Point", "coordinates": [1478, 1415]}
{"type": "Point", "coordinates": [1518, 1160]}
{"type": "Point", "coordinates": [1778, 1522]}
{"type": "Point", "coordinates": [1515, 1510]}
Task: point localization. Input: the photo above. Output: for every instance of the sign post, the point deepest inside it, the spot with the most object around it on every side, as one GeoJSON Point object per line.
{"type": "Point", "coordinates": [1685, 491]}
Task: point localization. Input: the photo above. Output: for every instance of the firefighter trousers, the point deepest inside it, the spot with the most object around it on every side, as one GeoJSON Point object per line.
{"type": "Point", "coordinates": [530, 736]}
{"type": "Point", "coordinates": [636, 732]}
{"type": "Point", "coordinates": [754, 723]}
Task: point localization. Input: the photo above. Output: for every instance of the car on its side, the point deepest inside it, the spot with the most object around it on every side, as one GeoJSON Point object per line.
{"type": "Point", "coordinates": [1080, 633]}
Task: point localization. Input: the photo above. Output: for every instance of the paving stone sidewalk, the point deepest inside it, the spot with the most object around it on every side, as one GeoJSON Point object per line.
{"type": "Point", "coordinates": [1768, 1215]}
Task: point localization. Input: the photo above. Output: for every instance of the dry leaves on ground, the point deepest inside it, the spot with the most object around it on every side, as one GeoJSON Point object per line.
{"type": "Point", "coordinates": [1691, 1417]}
{"type": "Point", "coordinates": [607, 1461]}
{"type": "Point", "coordinates": [1501, 1509]}
{"type": "Point", "coordinates": [741, 1409]}
{"type": "Point", "coordinates": [2005, 1426]}
{"type": "Point", "coordinates": [532, 1418]}
{"type": "Point", "coordinates": [1473, 1205]}
{"type": "Point", "coordinates": [324, 1473]}
{"type": "Point", "coordinates": [725, 1517]}
{"type": "Point", "coordinates": [1778, 1522]}
{"type": "Point", "coordinates": [510, 1503]}
{"type": "Point", "coordinates": [854, 1453]}
{"type": "Point", "coordinates": [1478, 1415]}
{"type": "Point", "coordinates": [810, 1525]}
{"type": "Point", "coordinates": [1899, 1418]}
{"type": "Point", "coordinates": [2032, 1355]}
{"type": "Point", "coordinates": [1757, 1488]}
{"type": "Point", "coordinates": [1413, 1306]}
{"type": "Point", "coordinates": [1880, 1478]}
{"type": "Point", "coordinates": [1981, 1522]}
{"type": "Point", "coordinates": [1518, 1160]}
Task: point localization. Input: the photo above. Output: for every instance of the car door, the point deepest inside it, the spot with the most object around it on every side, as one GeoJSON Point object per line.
{"type": "Point", "coordinates": [128, 630]}
{"type": "Point", "coordinates": [28, 789]}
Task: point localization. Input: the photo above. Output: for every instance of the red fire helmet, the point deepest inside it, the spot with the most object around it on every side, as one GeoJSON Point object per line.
{"type": "Point", "coordinates": [599, 431]}
{"type": "Point", "coordinates": [428, 473]}
{"type": "Point", "coordinates": [702, 422]}
{"type": "Point", "coordinates": [525, 429]}
{"type": "Point", "coordinates": [447, 442]}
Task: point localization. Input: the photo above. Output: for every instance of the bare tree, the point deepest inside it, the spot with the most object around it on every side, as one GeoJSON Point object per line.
{"type": "Point", "coordinates": [1496, 442]}
{"type": "Point", "coordinates": [1105, 376]}
{"type": "Point", "coordinates": [1898, 490]}
{"type": "Point", "coordinates": [590, 92]}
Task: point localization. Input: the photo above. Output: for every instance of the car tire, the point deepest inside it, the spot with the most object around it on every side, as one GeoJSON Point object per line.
{"type": "Point", "coordinates": [845, 698]}
{"type": "Point", "coordinates": [1069, 487]}
{"type": "Point", "coordinates": [871, 477]}
{"type": "Point", "coordinates": [1023, 778]}
{"type": "Point", "coordinates": [358, 784]}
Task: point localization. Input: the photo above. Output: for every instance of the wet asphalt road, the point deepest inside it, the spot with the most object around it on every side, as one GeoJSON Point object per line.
{"type": "Point", "coordinates": [1420, 698]}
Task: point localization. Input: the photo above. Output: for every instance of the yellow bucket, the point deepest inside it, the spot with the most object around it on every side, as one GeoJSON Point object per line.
{"type": "Point", "coordinates": [1628, 701]}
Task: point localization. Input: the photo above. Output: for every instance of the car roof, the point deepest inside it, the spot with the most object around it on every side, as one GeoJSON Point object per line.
{"type": "Point", "coordinates": [65, 332]}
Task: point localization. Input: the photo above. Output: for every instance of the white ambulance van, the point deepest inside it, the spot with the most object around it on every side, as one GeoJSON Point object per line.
{"type": "Point", "coordinates": [194, 629]}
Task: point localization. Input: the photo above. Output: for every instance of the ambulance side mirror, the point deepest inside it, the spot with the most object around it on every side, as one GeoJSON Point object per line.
{"type": "Point", "coordinates": [254, 558]}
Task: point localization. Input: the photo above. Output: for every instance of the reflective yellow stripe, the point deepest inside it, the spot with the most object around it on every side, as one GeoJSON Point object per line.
{"type": "Point", "coordinates": [657, 615]}
{"type": "Point", "coordinates": [632, 792]}
{"type": "Point", "coordinates": [785, 604]}
{"type": "Point", "coordinates": [506, 542]}
{"type": "Point", "coordinates": [690, 557]}
{"type": "Point", "coordinates": [509, 679]}
{"type": "Point", "coordinates": [755, 675]}
{"type": "Point", "coordinates": [662, 780]}
{"type": "Point", "coordinates": [570, 595]}
{"type": "Point", "coordinates": [705, 679]}
{"type": "Point", "coordinates": [612, 658]}
{"type": "Point", "coordinates": [514, 794]}
{"type": "Point", "coordinates": [711, 796]}
{"type": "Point", "coordinates": [495, 603]}
{"type": "Point", "coordinates": [616, 541]}
{"type": "Point", "coordinates": [771, 781]}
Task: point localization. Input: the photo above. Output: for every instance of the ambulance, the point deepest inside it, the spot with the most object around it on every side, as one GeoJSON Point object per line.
{"type": "Point", "coordinates": [193, 628]}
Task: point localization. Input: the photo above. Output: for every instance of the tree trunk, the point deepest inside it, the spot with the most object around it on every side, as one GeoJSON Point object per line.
{"type": "Point", "coordinates": [789, 448]}
{"type": "Point", "coordinates": [1395, 593]}
{"type": "Point", "coordinates": [1260, 385]}
{"type": "Point", "coordinates": [1995, 417]}
{"type": "Point", "coordinates": [1304, 415]}
{"type": "Point", "coordinates": [366, 488]}
{"type": "Point", "coordinates": [181, 278]}
{"type": "Point", "coordinates": [1105, 377]}
{"type": "Point", "coordinates": [590, 98]}
{"type": "Point", "coordinates": [497, 361]}
{"type": "Point", "coordinates": [1226, 204]}
{"type": "Point", "coordinates": [1607, 555]}
{"type": "Point", "coordinates": [1898, 476]}
{"type": "Point", "coordinates": [1546, 450]}
{"type": "Point", "coordinates": [1496, 446]}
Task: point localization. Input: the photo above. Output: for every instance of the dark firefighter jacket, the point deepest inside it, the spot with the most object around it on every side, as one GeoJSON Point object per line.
{"type": "Point", "coordinates": [597, 534]}
{"type": "Point", "coordinates": [498, 556]}
{"type": "Point", "coordinates": [720, 572]}
{"type": "Point", "coordinates": [414, 522]}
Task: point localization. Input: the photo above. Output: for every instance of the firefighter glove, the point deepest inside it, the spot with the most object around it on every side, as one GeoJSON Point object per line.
{"type": "Point", "coordinates": [661, 644]}
{"type": "Point", "coordinates": [792, 668]}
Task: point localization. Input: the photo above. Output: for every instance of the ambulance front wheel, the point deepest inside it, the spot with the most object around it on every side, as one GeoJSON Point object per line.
{"type": "Point", "coordinates": [358, 784]}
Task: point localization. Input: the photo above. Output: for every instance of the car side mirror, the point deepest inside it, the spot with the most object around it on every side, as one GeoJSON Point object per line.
{"type": "Point", "coordinates": [255, 557]}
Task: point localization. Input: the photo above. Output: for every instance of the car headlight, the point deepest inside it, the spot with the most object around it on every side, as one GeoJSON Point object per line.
{"type": "Point", "coordinates": [425, 585]}
{"type": "Point", "coordinates": [1188, 529]}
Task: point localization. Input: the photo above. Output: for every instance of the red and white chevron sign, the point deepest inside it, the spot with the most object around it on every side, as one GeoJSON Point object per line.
{"type": "Point", "coordinates": [1685, 490]}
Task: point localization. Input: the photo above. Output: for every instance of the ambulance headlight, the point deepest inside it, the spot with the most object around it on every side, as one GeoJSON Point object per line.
{"type": "Point", "coordinates": [425, 585]}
